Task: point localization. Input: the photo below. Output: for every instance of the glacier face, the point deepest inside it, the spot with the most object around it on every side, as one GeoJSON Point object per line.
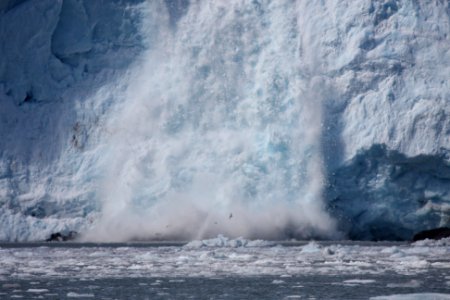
{"type": "Point", "coordinates": [50, 64]}
{"type": "Point", "coordinates": [133, 119]}
{"type": "Point", "coordinates": [381, 194]}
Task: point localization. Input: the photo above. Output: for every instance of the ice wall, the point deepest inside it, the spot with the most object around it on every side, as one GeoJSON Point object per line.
{"type": "Point", "coordinates": [54, 55]}
{"type": "Point", "coordinates": [178, 119]}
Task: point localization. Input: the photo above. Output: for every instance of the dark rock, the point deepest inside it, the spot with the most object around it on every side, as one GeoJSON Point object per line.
{"type": "Point", "coordinates": [433, 234]}
{"type": "Point", "coordinates": [61, 237]}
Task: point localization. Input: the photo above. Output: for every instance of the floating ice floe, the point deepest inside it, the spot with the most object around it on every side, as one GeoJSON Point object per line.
{"type": "Point", "coordinates": [222, 241]}
{"type": "Point", "coordinates": [417, 296]}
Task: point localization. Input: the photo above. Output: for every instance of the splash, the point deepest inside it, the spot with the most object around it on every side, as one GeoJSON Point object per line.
{"type": "Point", "coordinates": [218, 129]}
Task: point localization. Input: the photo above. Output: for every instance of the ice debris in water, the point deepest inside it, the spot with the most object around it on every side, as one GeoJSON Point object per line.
{"type": "Point", "coordinates": [223, 242]}
{"type": "Point", "coordinates": [220, 256]}
{"type": "Point", "coordinates": [311, 247]}
{"type": "Point", "coordinates": [433, 243]}
{"type": "Point", "coordinates": [418, 296]}
{"type": "Point", "coordinates": [76, 295]}
{"type": "Point", "coordinates": [37, 290]}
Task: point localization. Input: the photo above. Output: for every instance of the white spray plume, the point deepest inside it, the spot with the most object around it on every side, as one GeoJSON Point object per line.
{"type": "Point", "coordinates": [218, 130]}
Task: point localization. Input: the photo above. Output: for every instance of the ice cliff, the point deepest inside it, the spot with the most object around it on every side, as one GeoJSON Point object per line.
{"type": "Point", "coordinates": [185, 119]}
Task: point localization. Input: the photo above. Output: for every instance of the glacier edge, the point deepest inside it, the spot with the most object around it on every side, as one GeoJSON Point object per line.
{"type": "Point", "coordinates": [383, 71]}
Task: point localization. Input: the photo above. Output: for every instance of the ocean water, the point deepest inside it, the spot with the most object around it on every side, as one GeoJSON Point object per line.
{"type": "Point", "coordinates": [226, 269]}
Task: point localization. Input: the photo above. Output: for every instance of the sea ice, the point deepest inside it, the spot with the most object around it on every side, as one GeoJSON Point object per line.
{"type": "Point", "coordinates": [417, 296]}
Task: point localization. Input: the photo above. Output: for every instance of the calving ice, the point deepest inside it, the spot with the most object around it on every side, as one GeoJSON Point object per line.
{"type": "Point", "coordinates": [182, 120]}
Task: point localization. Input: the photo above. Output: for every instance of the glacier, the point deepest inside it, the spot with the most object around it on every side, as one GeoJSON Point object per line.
{"type": "Point", "coordinates": [177, 119]}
